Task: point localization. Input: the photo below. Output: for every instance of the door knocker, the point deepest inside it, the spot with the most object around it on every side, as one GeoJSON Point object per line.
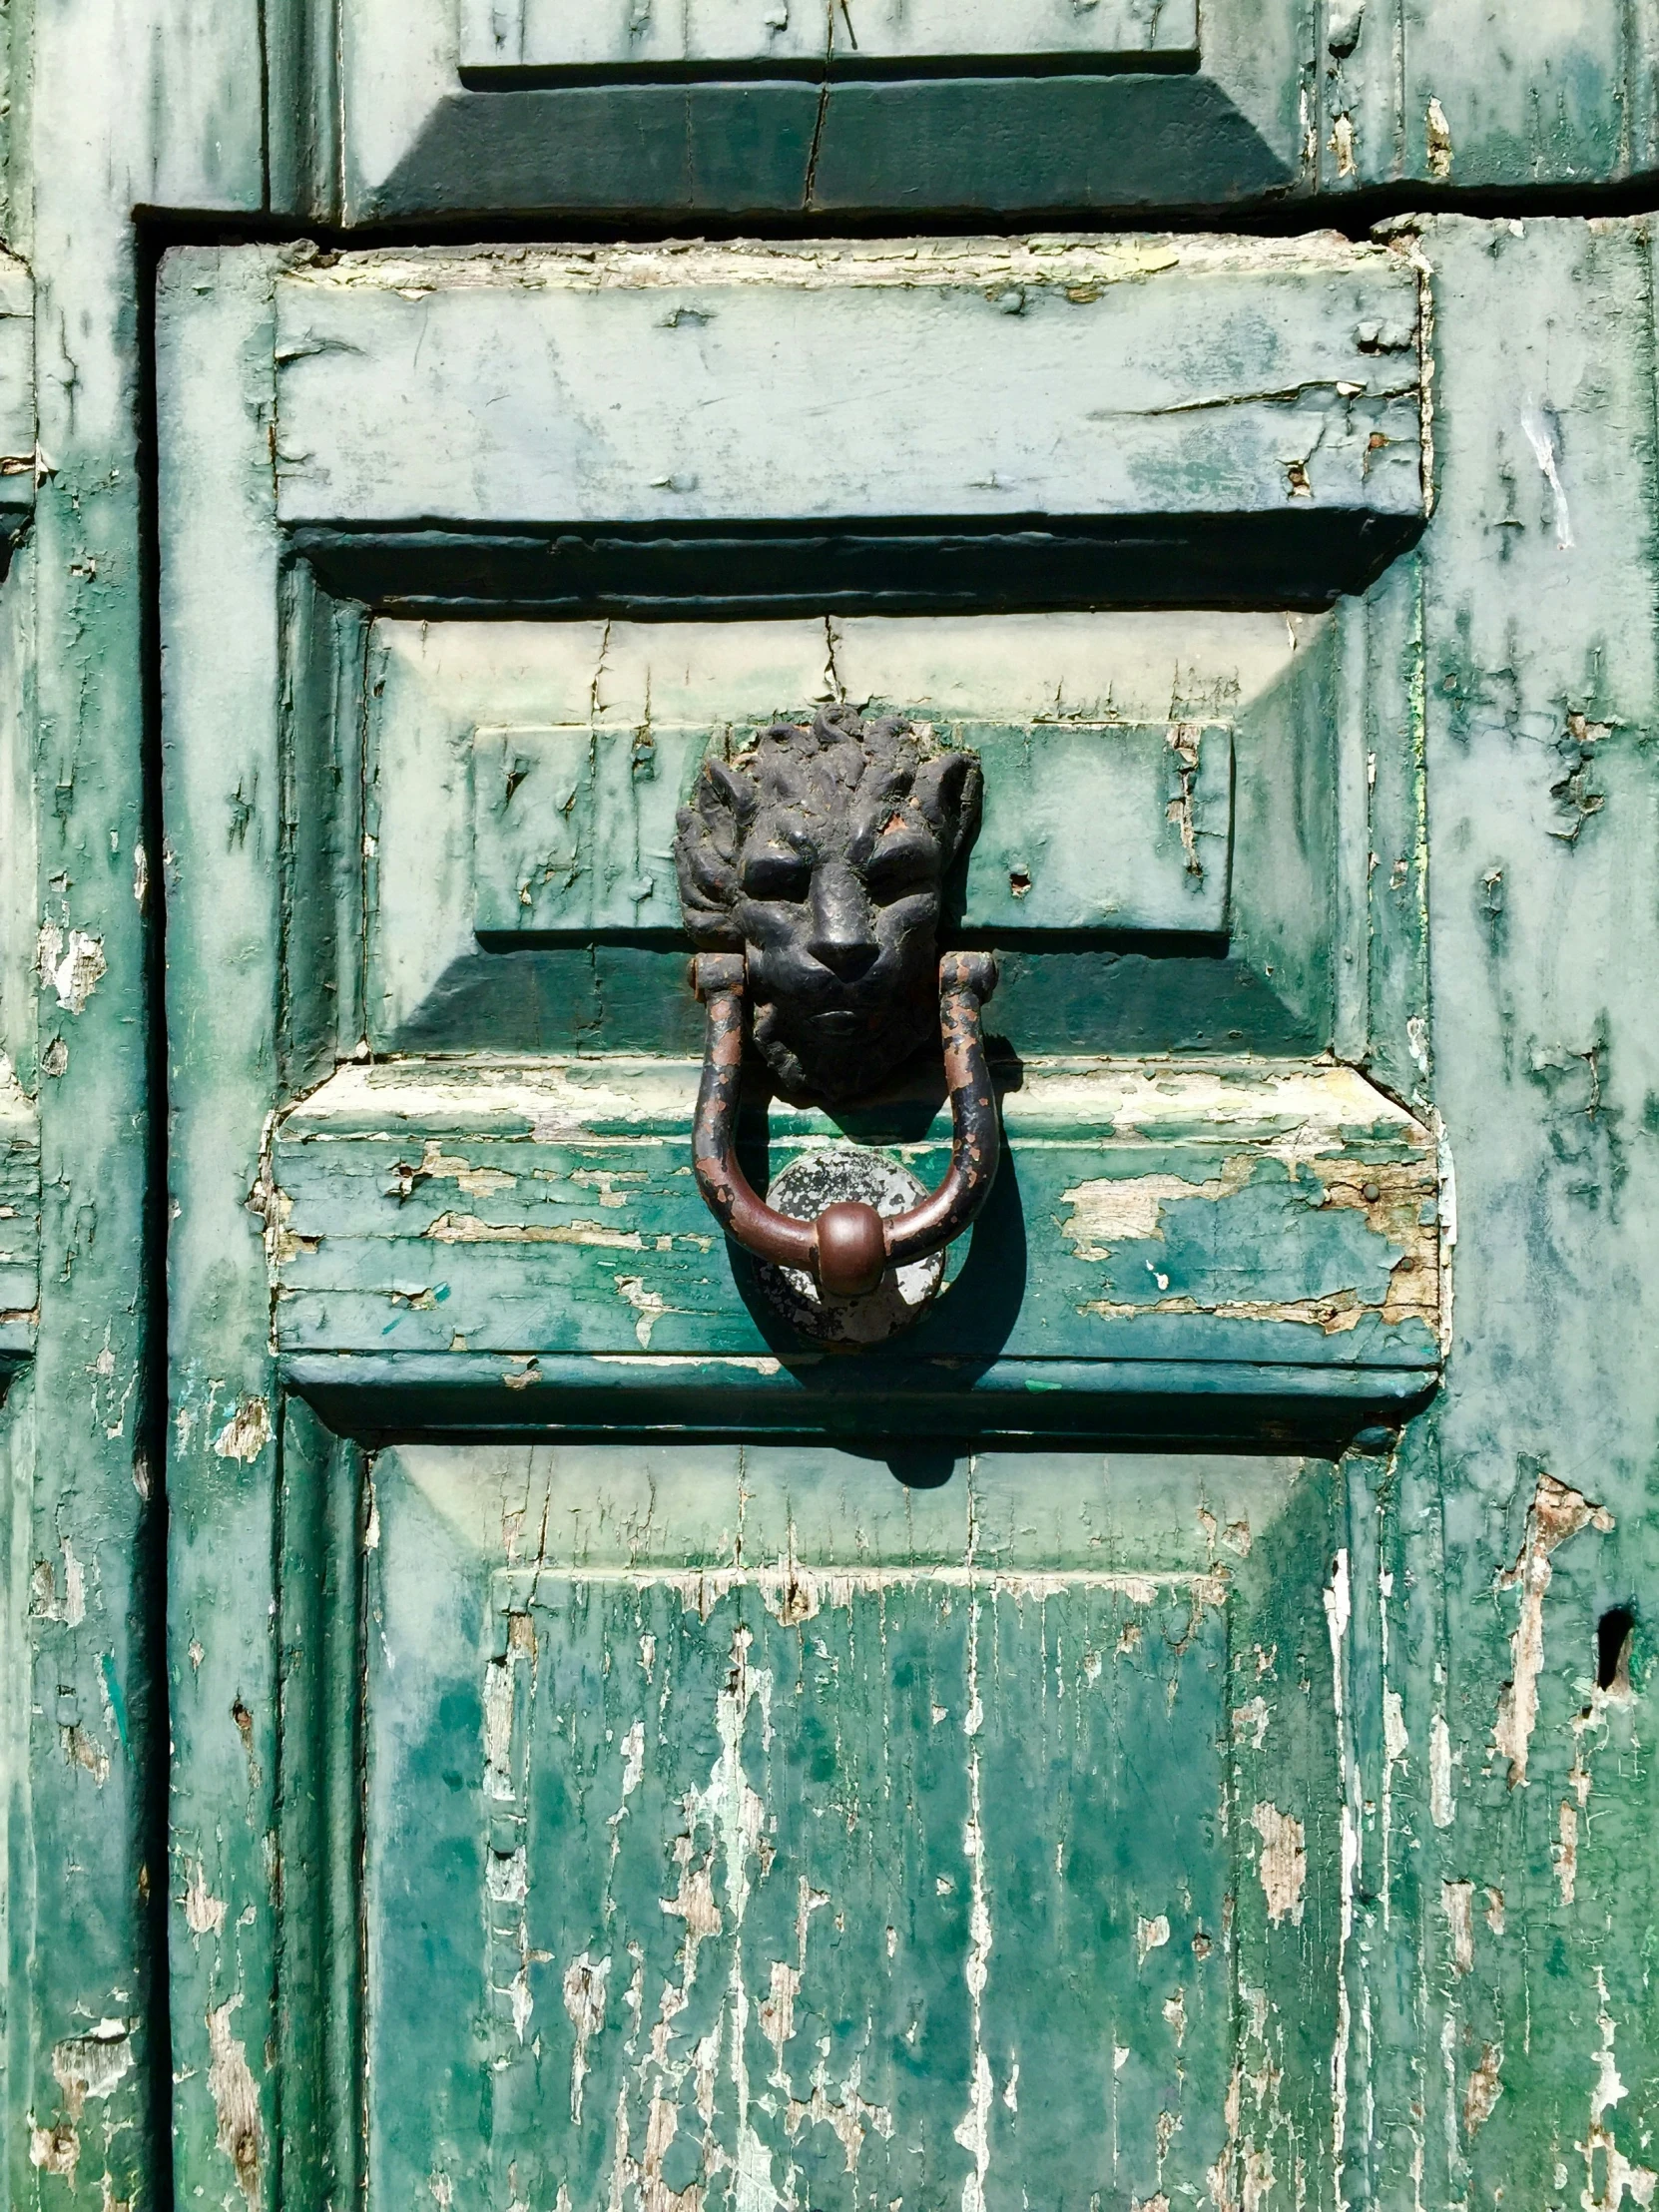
{"type": "Point", "coordinates": [811, 872]}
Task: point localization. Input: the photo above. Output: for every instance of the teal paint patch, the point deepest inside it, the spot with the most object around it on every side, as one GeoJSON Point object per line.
{"type": "Point", "coordinates": [757, 1889]}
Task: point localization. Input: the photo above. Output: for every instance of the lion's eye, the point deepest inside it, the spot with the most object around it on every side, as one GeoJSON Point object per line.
{"type": "Point", "coordinates": [777, 875]}
{"type": "Point", "coordinates": [898, 873]}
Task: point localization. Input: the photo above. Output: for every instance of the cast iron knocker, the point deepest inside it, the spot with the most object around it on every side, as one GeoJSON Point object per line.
{"type": "Point", "coordinates": [811, 872]}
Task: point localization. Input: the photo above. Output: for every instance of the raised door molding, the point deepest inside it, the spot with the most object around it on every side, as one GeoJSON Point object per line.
{"type": "Point", "coordinates": [769, 108]}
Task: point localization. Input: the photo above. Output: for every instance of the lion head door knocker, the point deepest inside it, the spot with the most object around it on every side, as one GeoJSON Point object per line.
{"type": "Point", "coordinates": [811, 871]}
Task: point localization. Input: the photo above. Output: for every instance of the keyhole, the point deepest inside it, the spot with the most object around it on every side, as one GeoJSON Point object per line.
{"type": "Point", "coordinates": [1613, 1634]}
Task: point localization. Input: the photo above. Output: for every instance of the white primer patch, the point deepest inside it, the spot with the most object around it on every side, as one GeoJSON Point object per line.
{"type": "Point", "coordinates": [71, 963]}
{"type": "Point", "coordinates": [1539, 436]}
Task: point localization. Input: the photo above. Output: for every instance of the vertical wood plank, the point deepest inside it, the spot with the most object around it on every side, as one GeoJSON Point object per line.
{"type": "Point", "coordinates": [111, 109]}
{"type": "Point", "coordinates": [1532, 1800]}
{"type": "Point", "coordinates": [220, 679]}
{"type": "Point", "coordinates": [319, 1814]}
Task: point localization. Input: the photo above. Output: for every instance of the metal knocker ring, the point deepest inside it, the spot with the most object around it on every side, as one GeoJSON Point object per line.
{"type": "Point", "coordinates": [850, 1247]}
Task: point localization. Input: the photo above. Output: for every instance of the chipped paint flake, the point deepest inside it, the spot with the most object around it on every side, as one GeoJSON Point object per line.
{"type": "Point", "coordinates": [468, 1229]}
{"type": "Point", "coordinates": [1622, 2176]}
{"type": "Point", "coordinates": [1395, 1742]}
{"type": "Point", "coordinates": [91, 2066]}
{"type": "Point", "coordinates": [204, 1912]}
{"type": "Point", "coordinates": [1443, 1804]}
{"type": "Point", "coordinates": [45, 1605]}
{"type": "Point", "coordinates": [235, 2099]}
{"type": "Point", "coordinates": [1334, 1314]}
{"type": "Point", "coordinates": [82, 1750]}
{"type": "Point", "coordinates": [633, 1760]}
{"type": "Point", "coordinates": [1250, 1723]}
{"type": "Point", "coordinates": [245, 1435]}
{"type": "Point", "coordinates": [1281, 1863]}
{"type": "Point", "coordinates": [1540, 436]}
{"type": "Point", "coordinates": [1457, 1903]}
{"type": "Point", "coordinates": [71, 963]}
{"type": "Point", "coordinates": [1150, 1935]}
{"type": "Point", "coordinates": [1556, 1514]}
{"type": "Point", "coordinates": [778, 2014]}
{"type": "Point", "coordinates": [55, 2151]}
{"type": "Point", "coordinates": [1111, 1210]}
{"type": "Point", "coordinates": [584, 1989]}
{"type": "Point", "coordinates": [1564, 1851]}
{"type": "Point", "coordinates": [1483, 2090]}
{"type": "Point", "coordinates": [648, 1303]}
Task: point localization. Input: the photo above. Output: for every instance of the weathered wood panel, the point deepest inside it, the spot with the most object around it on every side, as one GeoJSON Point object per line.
{"type": "Point", "coordinates": [430, 686]}
{"type": "Point", "coordinates": [1276, 378]}
{"type": "Point", "coordinates": [1110, 826]}
{"type": "Point", "coordinates": [1471, 1971]}
{"type": "Point", "coordinates": [932, 132]}
{"type": "Point", "coordinates": [1496, 1786]}
{"type": "Point", "coordinates": [1154, 1215]}
{"type": "Point", "coordinates": [1541, 684]}
{"type": "Point", "coordinates": [1560, 91]}
{"type": "Point", "coordinates": [763, 1905]}
{"type": "Point", "coordinates": [553, 34]}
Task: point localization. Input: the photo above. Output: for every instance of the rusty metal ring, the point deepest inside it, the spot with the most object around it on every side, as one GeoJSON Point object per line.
{"type": "Point", "coordinates": [848, 1248]}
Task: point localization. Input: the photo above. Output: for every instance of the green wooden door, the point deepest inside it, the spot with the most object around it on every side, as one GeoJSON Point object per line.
{"type": "Point", "coordinates": [1170, 1728]}
{"type": "Point", "coordinates": [697, 1765]}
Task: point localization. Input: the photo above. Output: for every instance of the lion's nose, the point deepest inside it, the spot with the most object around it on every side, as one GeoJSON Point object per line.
{"type": "Point", "coordinates": [842, 941]}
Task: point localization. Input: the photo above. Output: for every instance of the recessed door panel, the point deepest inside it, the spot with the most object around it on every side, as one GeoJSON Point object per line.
{"type": "Point", "coordinates": [900, 1863]}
